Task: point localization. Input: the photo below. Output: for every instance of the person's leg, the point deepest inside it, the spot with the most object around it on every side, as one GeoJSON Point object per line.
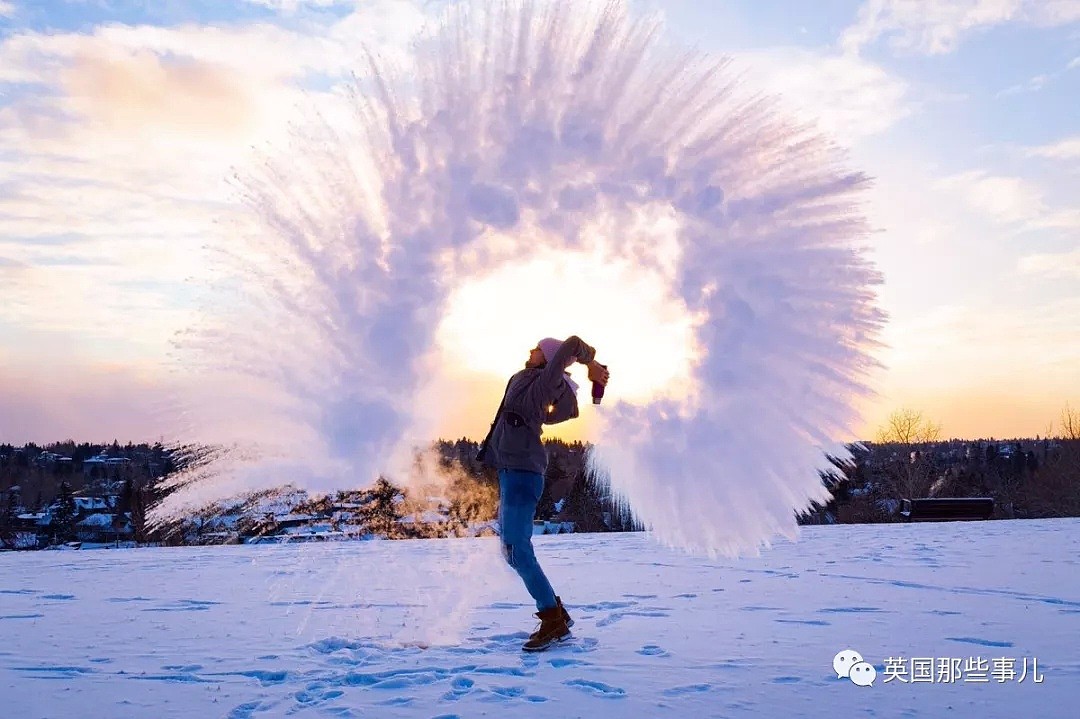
{"type": "Point", "coordinates": [519, 493]}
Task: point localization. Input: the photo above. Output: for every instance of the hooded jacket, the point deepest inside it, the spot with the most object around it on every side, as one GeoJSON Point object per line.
{"type": "Point", "coordinates": [535, 396]}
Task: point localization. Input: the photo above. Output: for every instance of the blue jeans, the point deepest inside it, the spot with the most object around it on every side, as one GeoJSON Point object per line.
{"type": "Point", "coordinates": [519, 492]}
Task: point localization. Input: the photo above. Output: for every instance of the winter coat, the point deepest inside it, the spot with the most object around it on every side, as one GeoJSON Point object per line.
{"type": "Point", "coordinates": [535, 396]}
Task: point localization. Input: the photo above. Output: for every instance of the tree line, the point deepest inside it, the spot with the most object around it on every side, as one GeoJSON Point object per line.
{"type": "Point", "coordinates": [1028, 478]}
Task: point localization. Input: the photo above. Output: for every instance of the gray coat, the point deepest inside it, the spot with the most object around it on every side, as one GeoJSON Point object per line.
{"type": "Point", "coordinates": [535, 397]}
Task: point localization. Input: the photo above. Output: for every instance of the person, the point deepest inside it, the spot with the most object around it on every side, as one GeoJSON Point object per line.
{"type": "Point", "coordinates": [542, 393]}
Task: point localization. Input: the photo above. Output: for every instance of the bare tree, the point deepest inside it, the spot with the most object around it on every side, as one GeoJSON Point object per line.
{"type": "Point", "coordinates": [911, 473]}
{"type": "Point", "coordinates": [1070, 423]}
{"type": "Point", "coordinates": [908, 426]}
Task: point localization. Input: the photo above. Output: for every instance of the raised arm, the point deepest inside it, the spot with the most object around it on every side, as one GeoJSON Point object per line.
{"type": "Point", "coordinates": [572, 350]}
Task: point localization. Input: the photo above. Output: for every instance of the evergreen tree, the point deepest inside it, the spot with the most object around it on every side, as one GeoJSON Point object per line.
{"type": "Point", "coordinates": [583, 504]}
{"type": "Point", "coordinates": [140, 498]}
{"type": "Point", "coordinates": [66, 515]}
{"type": "Point", "coordinates": [545, 508]}
{"type": "Point", "coordinates": [555, 475]}
{"type": "Point", "coordinates": [123, 502]}
{"type": "Point", "coordinates": [8, 519]}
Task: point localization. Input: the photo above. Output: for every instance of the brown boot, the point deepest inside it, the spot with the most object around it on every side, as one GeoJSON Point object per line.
{"type": "Point", "coordinates": [565, 614]}
{"type": "Point", "coordinates": [552, 629]}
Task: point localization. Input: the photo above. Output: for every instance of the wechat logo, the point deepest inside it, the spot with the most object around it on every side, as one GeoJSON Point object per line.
{"type": "Point", "coordinates": [849, 664]}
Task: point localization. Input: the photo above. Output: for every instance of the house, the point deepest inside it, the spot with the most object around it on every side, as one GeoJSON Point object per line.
{"type": "Point", "coordinates": [104, 467]}
{"type": "Point", "coordinates": [89, 505]}
{"type": "Point", "coordinates": [54, 462]}
{"type": "Point", "coordinates": [34, 521]}
{"type": "Point", "coordinates": [103, 528]}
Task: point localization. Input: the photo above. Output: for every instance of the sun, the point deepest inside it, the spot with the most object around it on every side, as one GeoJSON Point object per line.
{"type": "Point", "coordinates": [621, 303]}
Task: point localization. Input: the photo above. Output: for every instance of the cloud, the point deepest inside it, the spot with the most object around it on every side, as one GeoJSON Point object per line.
{"type": "Point", "coordinates": [1033, 85]}
{"type": "Point", "coordinates": [261, 51]}
{"type": "Point", "coordinates": [1005, 199]}
{"type": "Point", "coordinates": [1055, 265]}
{"type": "Point", "coordinates": [1038, 82]}
{"type": "Point", "coordinates": [1066, 149]}
{"type": "Point", "coordinates": [290, 6]}
{"type": "Point", "coordinates": [932, 27]}
{"type": "Point", "coordinates": [133, 90]}
{"type": "Point", "coordinates": [846, 95]}
{"type": "Point", "coordinates": [1009, 200]}
{"type": "Point", "coordinates": [7, 9]}
{"type": "Point", "coordinates": [1064, 219]}
{"type": "Point", "coordinates": [108, 302]}
{"type": "Point", "coordinates": [115, 147]}
{"type": "Point", "coordinates": [1055, 12]}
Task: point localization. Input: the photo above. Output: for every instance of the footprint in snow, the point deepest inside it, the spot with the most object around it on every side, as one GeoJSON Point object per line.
{"type": "Point", "coordinates": [181, 667]}
{"type": "Point", "coordinates": [619, 616]}
{"type": "Point", "coordinates": [244, 711]}
{"type": "Point", "coordinates": [458, 688]}
{"type": "Point", "coordinates": [651, 650]}
{"type": "Point", "coordinates": [687, 689]}
{"type": "Point", "coordinates": [596, 688]}
{"type": "Point", "coordinates": [602, 606]}
{"type": "Point", "coordinates": [317, 693]}
{"type": "Point", "coordinates": [980, 642]}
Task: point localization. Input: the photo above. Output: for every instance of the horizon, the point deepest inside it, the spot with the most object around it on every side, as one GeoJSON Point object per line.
{"type": "Point", "coordinates": [867, 441]}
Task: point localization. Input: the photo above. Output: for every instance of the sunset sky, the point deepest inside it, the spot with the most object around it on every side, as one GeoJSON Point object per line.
{"type": "Point", "coordinates": [120, 122]}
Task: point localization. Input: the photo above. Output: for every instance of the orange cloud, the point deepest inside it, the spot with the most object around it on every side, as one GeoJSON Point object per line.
{"type": "Point", "coordinates": [141, 91]}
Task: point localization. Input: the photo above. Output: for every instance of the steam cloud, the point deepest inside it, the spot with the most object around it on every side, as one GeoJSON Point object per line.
{"type": "Point", "coordinates": [525, 125]}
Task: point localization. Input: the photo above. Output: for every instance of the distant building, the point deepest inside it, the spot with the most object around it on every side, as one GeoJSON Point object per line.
{"type": "Point", "coordinates": [103, 528]}
{"type": "Point", "coordinates": [104, 467]}
{"type": "Point", "coordinates": [55, 462]}
{"type": "Point", "coordinates": [33, 521]}
{"type": "Point", "coordinates": [89, 505]}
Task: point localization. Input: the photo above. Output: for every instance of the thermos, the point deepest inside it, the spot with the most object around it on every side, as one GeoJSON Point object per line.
{"type": "Point", "coordinates": [598, 390]}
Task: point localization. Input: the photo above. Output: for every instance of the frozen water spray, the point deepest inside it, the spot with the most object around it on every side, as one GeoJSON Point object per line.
{"type": "Point", "coordinates": [519, 127]}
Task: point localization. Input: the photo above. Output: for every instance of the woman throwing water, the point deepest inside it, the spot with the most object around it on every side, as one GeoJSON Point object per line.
{"type": "Point", "coordinates": [542, 393]}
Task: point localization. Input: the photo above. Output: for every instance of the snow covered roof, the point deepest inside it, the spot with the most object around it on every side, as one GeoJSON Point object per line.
{"type": "Point", "coordinates": [96, 520]}
{"type": "Point", "coordinates": [52, 457]}
{"type": "Point", "coordinates": [39, 517]}
{"type": "Point", "coordinates": [106, 460]}
{"type": "Point", "coordinates": [91, 503]}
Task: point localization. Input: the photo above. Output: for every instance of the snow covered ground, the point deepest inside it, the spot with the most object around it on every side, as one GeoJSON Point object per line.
{"type": "Point", "coordinates": [433, 628]}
